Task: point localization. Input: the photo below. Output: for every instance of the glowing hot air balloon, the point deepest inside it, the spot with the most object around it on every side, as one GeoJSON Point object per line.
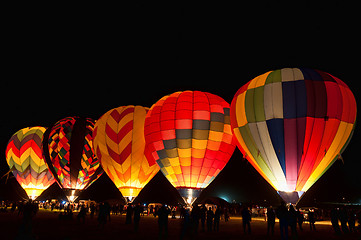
{"type": "Point", "coordinates": [119, 144]}
{"type": "Point", "coordinates": [25, 159]}
{"type": "Point", "coordinates": [189, 135]}
{"type": "Point", "coordinates": [292, 124]}
{"type": "Point", "coordinates": [68, 151]}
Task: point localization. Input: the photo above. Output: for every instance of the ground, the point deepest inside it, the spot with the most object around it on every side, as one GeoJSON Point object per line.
{"type": "Point", "coordinates": [47, 225]}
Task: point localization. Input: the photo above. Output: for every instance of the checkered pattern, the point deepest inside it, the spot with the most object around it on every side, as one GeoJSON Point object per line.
{"type": "Point", "coordinates": [189, 135]}
{"type": "Point", "coordinates": [60, 145]}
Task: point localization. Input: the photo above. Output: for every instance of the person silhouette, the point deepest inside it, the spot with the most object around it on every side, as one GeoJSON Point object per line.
{"type": "Point", "coordinates": [163, 213]}
{"type": "Point", "coordinates": [210, 216]}
{"type": "Point", "coordinates": [282, 215]}
{"type": "Point", "coordinates": [246, 219]}
{"type": "Point", "coordinates": [137, 211]}
{"type": "Point", "coordinates": [128, 217]}
{"type": "Point", "coordinates": [217, 218]}
{"type": "Point", "coordinates": [292, 221]}
{"type": "Point", "coordinates": [271, 217]}
{"type": "Point", "coordinates": [334, 221]}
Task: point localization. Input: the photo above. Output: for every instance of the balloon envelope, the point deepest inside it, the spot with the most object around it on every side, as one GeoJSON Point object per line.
{"type": "Point", "coordinates": [189, 135]}
{"type": "Point", "coordinates": [292, 124]}
{"type": "Point", "coordinates": [119, 144]}
{"type": "Point", "coordinates": [68, 150]}
{"type": "Point", "coordinates": [25, 158]}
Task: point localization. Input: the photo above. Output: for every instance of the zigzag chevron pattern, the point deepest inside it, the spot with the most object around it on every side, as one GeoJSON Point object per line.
{"type": "Point", "coordinates": [119, 144]}
{"type": "Point", "coordinates": [84, 169]}
{"type": "Point", "coordinates": [25, 158]}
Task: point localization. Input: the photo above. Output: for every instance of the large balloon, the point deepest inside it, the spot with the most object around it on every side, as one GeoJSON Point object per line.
{"type": "Point", "coordinates": [292, 124]}
{"type": "Point", "coordinates": [119, 144]}
{"type": "Point", "coordinates": [25, 158]}
{"type": "Point", "coordinates": [189, 135]}
{"type": "Point", "coordinates": [68, 151]}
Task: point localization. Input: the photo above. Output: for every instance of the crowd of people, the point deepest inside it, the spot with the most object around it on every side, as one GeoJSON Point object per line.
{"type": "Point", "coordinates": [195, 219]}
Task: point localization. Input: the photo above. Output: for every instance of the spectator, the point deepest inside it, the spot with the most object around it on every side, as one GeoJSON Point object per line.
{"type": "Point", "coordinates": [271, 218]}
{"type": "Point", "coordinates": [246, 219]}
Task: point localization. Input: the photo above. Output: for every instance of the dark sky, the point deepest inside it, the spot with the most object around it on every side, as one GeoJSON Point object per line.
{"type": "Point", "coordinates": [85, 60]}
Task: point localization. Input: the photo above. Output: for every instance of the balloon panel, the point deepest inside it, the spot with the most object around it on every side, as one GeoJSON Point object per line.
{"type": "Point", "coordinates": [25, 158]}
{"type": "Point", "coordinates": [119, 143]}
{"type": "Point", "coordinates": [291, 124]}
{"type": "Point", "coordinates": [188, 134]}
{"type": "Point", "coordinates": [70, 151]}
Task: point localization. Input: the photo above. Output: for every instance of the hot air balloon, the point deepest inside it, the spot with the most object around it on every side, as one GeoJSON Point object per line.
{"type": "Point", "coordinates": [119, 144]}
{"type": "Point", "coordinates": [68, 151]}
{"type": "Point", "coordinates": [189, 135]}
{"type": "Point", "coordinates": [292, 124]}
{"type": "Point", "coordinates": [25, 159]}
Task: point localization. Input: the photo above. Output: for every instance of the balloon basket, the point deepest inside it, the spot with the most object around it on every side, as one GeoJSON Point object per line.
{"type": "Point", "coordinates": [129, 200]}
{"type": "Point", "coordinates": [291, 197]}
{"type": "Point", "coordinates": [189, 195]}
{"type": "Point", "coordinates": [71, 194]}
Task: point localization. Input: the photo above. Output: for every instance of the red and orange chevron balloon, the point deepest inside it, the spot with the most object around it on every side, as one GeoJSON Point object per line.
{"type": "Point", "coordinates": [119, 144]}
{"type": "Point", "coordinates": [25, 158]}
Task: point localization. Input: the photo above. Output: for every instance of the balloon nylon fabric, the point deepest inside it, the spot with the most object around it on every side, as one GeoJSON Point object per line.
{"type": "Point", "coordinates": [119, 144]}
{"type": "Point", "coordinates": [292, 124]}
{"type": "Point", "coordinates": [25, 158]}
{"type": "Point", "coordinates": [189, 135]}
{"type": "Point", "coordinates": [68, 150]}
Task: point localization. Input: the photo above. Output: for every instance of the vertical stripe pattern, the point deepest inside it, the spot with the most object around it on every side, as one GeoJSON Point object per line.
{"type": "Point", "coordinates": [292, 124]}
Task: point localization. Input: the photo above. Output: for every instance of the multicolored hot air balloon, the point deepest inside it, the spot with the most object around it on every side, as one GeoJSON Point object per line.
{"type": "Point", "coordinates": [25, 159]}
{"type": "Point", "coordinates": [189, 135]}
{"type": "Point", "coordinates": [68, 151]}
{"type": "Point", "coordinates": [292, 124]}
{"type": "Point", "coordinates": [119, 144]}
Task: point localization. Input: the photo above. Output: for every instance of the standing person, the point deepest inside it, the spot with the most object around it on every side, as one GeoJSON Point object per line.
{"type": "Point", "coordinates": [352, 221]}
{"type": "Point", "coordinates": [82, 213]}
{"type": "Point", "coordinates": [203, 212]}
{"type": "Point", "coordinates": [343, 219]}
{"type": "Point", "coordinates": [174, 209]}
{"type": "Point", "coordinates": [334, 221]}
{"type": "Point", "coordinates": [312, 219]}
{"type": "Point", "coordinates": [163, 213]}
{"type": "Point", "coordinates": [271, 218]}
{"type": "Point", "coordinates": [300, 219]}
{"type": "Point", "coordinates": [282, 213]}
{"type": "Point", "coordinates": [92, 210]}
{"type": "Point", "coordinates": [226, 214]}
{"type": "Point", "coordinates": [102, 215]}
{"type": "Point", "coordinates": [137, 211]}
{"type": "Point", "coordinates": [195, 215]}
{"type": "Point", "coordinates": [186, 224]}
{"type": "Point", "coordinates": [217, 218]}
{"type": "Point", "coordinates": [292, 221]}
{"type": "Point", "coordinates": [210, 216]}
{"type": "Point", "coordinates": [246, 219]}
{"type": "Point", "coordinates": [128, 217]}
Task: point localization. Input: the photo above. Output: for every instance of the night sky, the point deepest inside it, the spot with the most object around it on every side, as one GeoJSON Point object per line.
{"type": "Point", "coordinates": [86, 60]}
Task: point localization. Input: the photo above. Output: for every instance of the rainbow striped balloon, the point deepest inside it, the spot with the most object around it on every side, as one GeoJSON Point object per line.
{"type": "Point", "coordinates": [25, 158]}
{"type": "Point", "coordinates": [119, 144]}
{"type": "Point", "coordinates": [292, 124]}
